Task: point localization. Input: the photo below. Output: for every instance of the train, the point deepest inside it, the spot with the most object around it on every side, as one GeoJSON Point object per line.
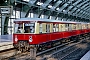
{"type": "Point", "coordinates": [45, 33]}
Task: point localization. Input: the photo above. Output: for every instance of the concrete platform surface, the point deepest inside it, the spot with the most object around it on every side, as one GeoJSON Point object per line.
{"type": "Point", "coordinates": [6, 45]}
{"type": "Point", "coordinates": [6, 42]}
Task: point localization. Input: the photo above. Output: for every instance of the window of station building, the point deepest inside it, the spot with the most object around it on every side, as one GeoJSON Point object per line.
{"type": "Point", "coordinates": [47, 28]}
{"type": "Point", "coordinates": [29, 27]}
{"type": "Point", "coordinates": [40, 28]}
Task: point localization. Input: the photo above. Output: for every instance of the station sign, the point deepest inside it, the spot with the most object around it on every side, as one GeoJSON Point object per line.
{"type": "Point", "coordinates": [6, 10]}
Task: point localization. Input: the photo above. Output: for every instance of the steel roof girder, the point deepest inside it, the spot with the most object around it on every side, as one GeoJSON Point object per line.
{"type": "Point", "coordinates": [85, 5]}
{"type": "Point", "coordinates": [73, 10]}
{"type": "Point", "coordinates": [71, 0]}
{"type": "Point", "coordinates": [59, 18]}
{"type": "Point", "coordinates": [76, 2]}
{"type": "Point", "coordinates": [29, 4]}
{"type": "Point", "coordinates": [83, 15]}
{"type": "Point", "coordinates": [46, 3]}
{"type": "Point", "coordinates": [32, 1]}
{"type": "Point", "coordinates": [41, 13]}
{"type": "Point", "coordinates": [69, 13]}
{"type": "Point", "coordinates": [64, 19]}
{"type": "Point", "coordinates": [65, 11]}
{"type": "Point", "coordinates": [86, 13]}
{"type": "Point", "coordinates": [82, 3]}
{"type": "Point", "coordinates": [78, 10]}
{"type": "Point", "coordinates": [80, 13]}
{"type": "Point", "coordinates": [62, 8]}
{"type": "Point", "coordinates": [56, 4]}
{"type": "Point", "coordinates": [70, 7]}
{"type": "Point", "coordinates": [86, 8]}
{"type": "Point", "coordinates": [74, 14]}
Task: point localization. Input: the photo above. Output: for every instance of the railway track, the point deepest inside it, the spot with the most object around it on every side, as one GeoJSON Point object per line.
{"type": "Point", "coordinates": [72, 52]}
{"type": "Point", "coordinates": [61, 52]}
{"type": "Point", "coordinates": [16, 55]}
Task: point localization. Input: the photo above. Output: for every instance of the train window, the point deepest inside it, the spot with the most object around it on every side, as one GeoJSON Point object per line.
{"type": "Point", "coordinates": [18, 28]}
{"type": "Point", "coordinates": [83, 26]}
{"type": "Point", "coordinates": [80, 27]}
{"type": "Point", "coordinates": [40, 28]}
{"type": "Point", "coordinates": [55, 27]}
{"type": "Point", "coordinates": [66, 27]}
{"type": "Point", "coordinates": [62, 27]}
{"type": "Point", "coordinates": [77, 27]}
{"type": "Point", "coordinates": [47, 28]}
{"type": "Point", "coordinates": [74, 26]}
{"type": "Point", "coordinates": [89, 25]}
{"type": "Point", "coordinates": [86, 26]}
{"type": "Point", "coordinates": [70, 27]}
{"type": "Point", "coordinates": [29, 27]}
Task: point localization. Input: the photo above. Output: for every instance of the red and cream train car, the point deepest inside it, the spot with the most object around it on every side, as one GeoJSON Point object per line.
{"type": "Point", "coordinates": [44, 32]}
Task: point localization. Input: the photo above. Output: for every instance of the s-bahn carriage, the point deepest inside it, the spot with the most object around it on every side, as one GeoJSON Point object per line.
{"type": "Point", "coordinates": [38, 33]}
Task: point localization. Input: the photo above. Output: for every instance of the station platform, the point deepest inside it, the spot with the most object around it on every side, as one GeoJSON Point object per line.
{"type": "Point", "coordinates": [86, 56]}
{"type": "Point", "coordinates": [5, 42]}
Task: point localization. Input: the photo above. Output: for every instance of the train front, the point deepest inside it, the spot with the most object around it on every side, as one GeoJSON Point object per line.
{"type": "Point", "coordinates": [24, 34]}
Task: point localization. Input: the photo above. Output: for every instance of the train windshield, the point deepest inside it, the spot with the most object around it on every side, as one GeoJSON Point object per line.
{"type": "Point", "coordinates": [24, 28]}
{"type": "Point", "coordinates": [29, 27]}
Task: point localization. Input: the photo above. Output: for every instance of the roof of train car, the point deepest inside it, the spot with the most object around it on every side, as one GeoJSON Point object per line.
{"type": "Point", "coordinates": [44, 20]}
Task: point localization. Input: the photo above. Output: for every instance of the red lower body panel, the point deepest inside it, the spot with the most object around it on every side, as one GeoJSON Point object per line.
{"type": "Point", "coordinates": [47, 37]}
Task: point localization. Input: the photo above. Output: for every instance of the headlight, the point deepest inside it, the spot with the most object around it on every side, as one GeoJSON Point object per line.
{"type": "Point", "coordinates": [30, 39]}
{"type": "Point", "coordinates": [16, 39]}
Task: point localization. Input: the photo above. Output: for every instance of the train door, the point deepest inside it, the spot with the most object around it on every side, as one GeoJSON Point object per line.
{"type": "Point", "coordinates": [48, 31]}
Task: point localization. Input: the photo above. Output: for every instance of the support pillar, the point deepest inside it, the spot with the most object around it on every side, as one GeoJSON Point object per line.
{"type": "Point", "coordinates": [33, 53]}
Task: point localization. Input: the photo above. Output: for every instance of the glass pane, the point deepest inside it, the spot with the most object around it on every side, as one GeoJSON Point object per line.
{"type": "Point", "coordinates": [29, 27]}
{"type": "Point", "coordinates": [18, 28]}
